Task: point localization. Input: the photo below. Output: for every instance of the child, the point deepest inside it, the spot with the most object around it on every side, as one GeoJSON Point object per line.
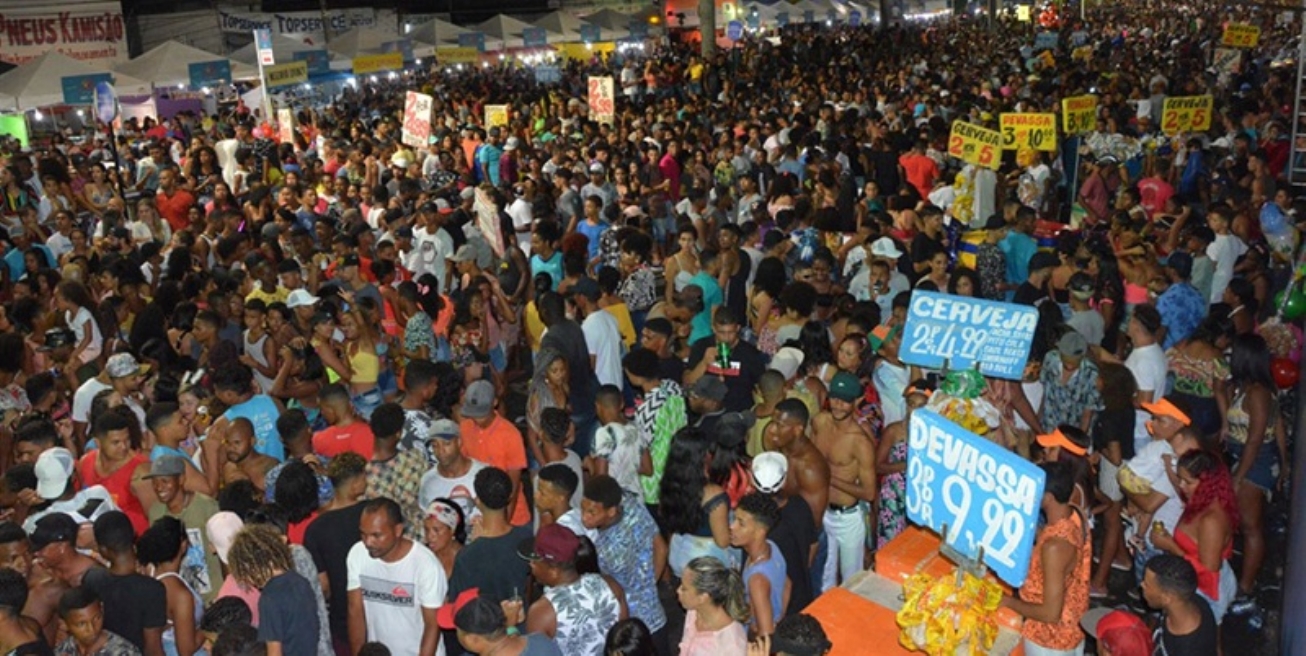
{"type": "Point", "coordinates": [617, 450]}
{"type": "Point", "coordinates": [83, 614]}
{"type": "Point", "coordinates": [556, 434]}
{"type": "Point", "coordinates": [260, 349]}
{"type": "Point", "coordinates": [75, 300]}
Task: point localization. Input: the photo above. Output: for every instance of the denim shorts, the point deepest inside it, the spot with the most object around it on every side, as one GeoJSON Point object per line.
{"type": "Point", "coordinates": [366, 402]}
{"type": "Point", "coordinates": [1264, 473]}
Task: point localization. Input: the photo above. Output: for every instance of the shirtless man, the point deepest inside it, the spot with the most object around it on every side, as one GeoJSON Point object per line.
{"type": "Point", "coordinates": [850, 452]}
{"type": "Point", "coordinates": [43, 589]}
{"type": "Point", "coordinates": [243, 462]}
{"type": "Point", "coordinates": [809, 473]}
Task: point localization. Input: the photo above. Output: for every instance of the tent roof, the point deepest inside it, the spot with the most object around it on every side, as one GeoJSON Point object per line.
{"type": "Point", "coordinates": [369, 41]}
{"type": "Point", "coordinates": [561, 24]}
{"type": "Point", "coordinates": [169, 64]}
{"type": "Point", "coordinates": [283, 50]}
{"type": "Point", "coordinates": [39, 83]}
{"type": "Point", "coordinates": [437, 32]}
{"type": "Point", "coordinates": [502, 27]}
{"type": "Point", "coordinates": [615, 25]}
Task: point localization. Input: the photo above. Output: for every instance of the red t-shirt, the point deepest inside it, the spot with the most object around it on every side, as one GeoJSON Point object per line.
{"type": "Point", "coordinates": [335, 440]}
{"type": "Point", "coordinates": [921, 172]}
{"type": "Point", "coordinates": [175, 209]}
{"type": "Point", "coordinates": [1155, 192]}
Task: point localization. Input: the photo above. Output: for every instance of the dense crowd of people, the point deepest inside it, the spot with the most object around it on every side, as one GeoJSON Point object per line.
{"type": "Point", "coordinates": [635, 388]}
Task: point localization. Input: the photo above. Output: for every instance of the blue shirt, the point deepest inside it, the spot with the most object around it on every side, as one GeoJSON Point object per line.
{"type": "Point", "coordinates": [551, 266]}
{"type": "Point", "coordinates": [592, 233]}
{"type": "Point", "coordinates": [1182, 309]}
{"type": "Point", "coordinates": [625, 555]}
{"type": "Point", "coordinates": [775, 571]}
{"type": "Point", "coordinates": [701, 324]}
{"type": "Point", "coordinates": [1018, 247]}
{"type": "Point", "coordinates": [18, 266]}
{"type": "Point", "coordinates": [488, 157]}
{"type": "Point", "coordinates": [262, 412]}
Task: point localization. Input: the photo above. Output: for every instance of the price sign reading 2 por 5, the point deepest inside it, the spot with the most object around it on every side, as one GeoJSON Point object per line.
{"type": "Point", "coordinates": [1186, 114]}
{"type": "Point", "coordinates": [961, 332]}
{"type": "Point", "coordinates": [975, 145]}
{"type": "Point", "coordinates": [987, 496]}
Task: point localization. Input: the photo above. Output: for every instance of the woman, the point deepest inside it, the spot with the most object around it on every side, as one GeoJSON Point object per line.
{"type": "Point", "coordinates": [203, 174]}
{"type": "Point", "coordinates": [119, 466]}
{"type": "Point", "coordinates": [797, 301]}
{"type": "Point", "coordinates": [362, 365]}
{"type": "Point", "coordinates": [638, 287]}
{"type": "Point", "coordinates": [1241, 296]}
{"type": "Point", "coordinates": [1253, 413]}
{"type": "Point", "coordinates": [964, 282]}
{"type": "Point", "coordinates": [160, 551]}
{"type": "Point", "coordinates": [891, 467]}
{"type": "Point", "coordinates": [683, 265]}
{"type": "Point", "coordinates": [763, 307]}
{"type": "Point", "coordinates": [1200, 371]}
{"type": "Point", "coordinates": [98, 191]}
{"type": "Point", "coordinates": [629, 637]}
{"type": "Point", "coordinates": [445, 531]}
{"type": "Point", "coordinates": [78, 307]}
{"type": "Point", "coordinates": [1113, 444]}
{"type": "Point", "coordinates": [1204, 535]}
{"type": "Point", "coordinates": [149, 226]}
{"type": "Point", "coordinates": [694, 510]}
{"type": "Point", "coordinates": [715, 609]}
{"type": "Point", "coordinates": [549, 388]}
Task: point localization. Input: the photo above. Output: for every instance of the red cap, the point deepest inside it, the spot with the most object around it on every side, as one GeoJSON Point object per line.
{"type": "Point", "coordinates": [1123, 633]}
{"type": "Point", "coordinates": [444, 616]}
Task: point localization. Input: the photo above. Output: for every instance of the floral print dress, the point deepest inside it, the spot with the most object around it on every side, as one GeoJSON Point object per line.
{"type": "Point", "coordinates": [893, 499]}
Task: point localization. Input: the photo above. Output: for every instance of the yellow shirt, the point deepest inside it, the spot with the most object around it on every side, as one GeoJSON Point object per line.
{"type": "Point", "coordinates": [534, 327]}
{"type": "Point", "coordinates": [695, 72]}
{"type": "Point", "coordinates": [624, 324]}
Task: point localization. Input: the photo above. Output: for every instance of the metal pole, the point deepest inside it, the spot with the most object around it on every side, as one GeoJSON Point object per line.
{"type": "Point", "coordinates": [1297, 163]}
{"type": "Point", "coordinates": [326, 24]}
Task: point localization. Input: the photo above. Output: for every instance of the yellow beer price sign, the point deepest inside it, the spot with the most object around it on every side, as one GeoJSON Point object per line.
{"type": "Point", "coordinates": [457, 55]}
{"type": "Point", "coordinates": [975, 145]}
{"type": "Point", "coordinates": [283, 75]}
{"type": "Point", "coordinates": [1186, 114]}
{"type": "Point", "coordinates": [1037, 131]}
{"type": "Point", "coordinates": [391, 61]}
{"type": "Point", "coordinates": [1079, 114]}
{"type": "Point", "coordinates": [1241, 35]}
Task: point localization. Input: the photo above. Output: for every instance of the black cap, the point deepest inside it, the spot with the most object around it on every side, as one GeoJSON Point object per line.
{"type": "Point", "coordinates": [586, 287]}
{"type": "Point", "coordinates": [54, 527]}
{"type": "Point", "coordinates": [404, 232]}
{"type": "Point", "coordinates": [1043, 260]}
{"type": "Point", "coordinates": [349, 260]}
{"type": "Point", "coordinates": [56, 337]}
{"type": "Point", "coordinates": [995, 222]}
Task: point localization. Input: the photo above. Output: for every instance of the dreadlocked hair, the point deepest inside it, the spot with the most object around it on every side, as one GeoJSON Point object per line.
{"type": "Point", "coordinates": [257, 554]}
{"type": "Point", "coordinates": [1214, 485]}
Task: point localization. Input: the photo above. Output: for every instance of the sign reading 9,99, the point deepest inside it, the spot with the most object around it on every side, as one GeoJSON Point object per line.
{"type": "Point", "coordinates": [986, 496]}
{"type": "Point", "coordinates": [1028, 130]}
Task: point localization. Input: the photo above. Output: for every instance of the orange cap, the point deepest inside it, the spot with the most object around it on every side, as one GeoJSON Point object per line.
{"type": "Point", "coordinates": [1058, 439]}
{"type": "Point", "coordinates": [1164, 408]}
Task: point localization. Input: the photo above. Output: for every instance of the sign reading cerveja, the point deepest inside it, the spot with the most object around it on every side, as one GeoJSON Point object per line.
{"type": "Point", "coordinates": [963, 332]}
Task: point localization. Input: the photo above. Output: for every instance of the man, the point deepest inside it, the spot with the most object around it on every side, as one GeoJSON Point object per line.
{"type": "Point", "coordinates": [243, 463]}
{"type": "Point", "coordinates": [454, 473]}
{"type": "Point", "coordinates": [1033, 290]}
{"type": "Point", "coordinates": [233, 384]}
{"type": "Point", "coordinates": [1187, 623]}
{"type": "Point", "coordinates": [920, 170]}
{"type": "Point", "coordinates": [395, 474]}
{"type": "Point", "coordinates": [1224, 251]}
{"type": "Point", "coordinates": [626, 530]}
{"type": "Point", "coordinates": [421, 382]}
{"type": "Point", "coordinates": [722, 353]}
{"type": "Point", "coordinates": [656, 337]}
{"type": "Point", "coordinates": [1118, 632]}
{"type": "Point", "coordinates": [706, 281]}
{"type": "Point", "coordinates": [764, 565]}
{"type": "Point", "coordinates": [577, 609]}
{"type": "Point", "coordinates": [891, 375]}
{"type": "Point", "coordinates": [770, 391]}
{"type": "Point", "coordinates": [481, 627]}
{"type": "Point", "coordinates": [1063, 566]}
{"type": "Point", "coordinates": [556, 484]}
{"type": "Point", "coordinates": [1148, 364]}
{"type": "Point", "coordinates": [1084, 318]}
{"type": "Point", "coordinates": [135, 605]}
{"type": "Point", "coordinates": [568, 338]}
{"type": "Point", "coordinates": [706, 398]}
{"type": "Point", "coordinates": [1070, 394]}
{"type": "Point", "coordinates": [1181, 306]}
{"type": "Point", "coordinates": [83, 614]}
{"type": "Point", "coordinates": [297, 438]}
{"type": "Point", "coordinates": [200, 567]}
{"type": "Point", "coordinates": [53, 545]}
{"type": "Point", "coordinates": [173, 202]}
{"type": "Point", "coordinates": [1145, 478]}
{"type": "Point", "coordinates": [493, 440]}
{"type": "Point", "coordinates": [1018, 247]}
{"type": "Point", "coordinates": [794, 533]}
{"type": "Point", "coordinates": [809, 472]}
{"type": "Point", "coordinates": [602, 334]}
{"type": "Point", "coordinates": [123, 375]}
{"type": "Point", "coordinates": [656, 419]}
{"type": "Point", "coordinates": [432, 246]}
{"type": "Point", "coordinates": [489, 562]}
{"type": "Point", "coordinates": [850, 452]}
{"type": "Point", "coordinates": [57, 488]}
{"type": "Point", "coordinates": [396, 585]}
{"type": "Point", "coordinates": [344, 431]}
{"type": "Point", "coordinates": [16, 632]}
{"type": "Point", "coordinates": [331, 536]}
{"type": "Point", "coordinates": [599, 186]}
{"type": "Point", "coordinates": [44, 587]}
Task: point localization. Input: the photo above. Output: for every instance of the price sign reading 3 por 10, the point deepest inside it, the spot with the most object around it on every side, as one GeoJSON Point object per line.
{"type": "Point", "coordinates": [962, 332]}
{"type": "Point", "coordinates": [975, 145]}
{"type": "Point", "coordinates": [1037, 131]}
{"type": "Point", "coordinates": [987, 496]}
{"type": "Point", "coordinates": [1079, 114]}
{"type": "Point", "coordinates": [1186, 114]}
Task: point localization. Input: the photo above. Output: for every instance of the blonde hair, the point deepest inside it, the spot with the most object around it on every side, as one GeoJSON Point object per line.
{"type": "Point", "coordinates": [723, 586]}
{"type": "Point", "coordinates": [257, 554]}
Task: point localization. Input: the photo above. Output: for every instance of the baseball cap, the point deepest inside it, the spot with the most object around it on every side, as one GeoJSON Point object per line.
{"type": "Point", "coordinates": [1121, 632]}
{"type": "Point", "coordinates": [222, 529]}
{"type": "Point", "coordinates": [880, 335]}
{"type": "Point", "coordinates": [442, 206]}
{"type": "Point", "coordinates": [1166, 408]}
{"type": "Point", "coordinates": [479, 399]}
{"type": "Point", "coordinates": [884, 247]}
{"type": "Point", "coordinates": [1042, 260]}
{"type": "Point", "coordinates": [585, 287]}
{"type": "Point", "coordinates": [1081, 286]}
{"type": "Point", "coordinates": [596, 168]}
{"type": "Point", "coordinates": [57, 337]}
{"type": "Point", "coordinates": [465, 253]}
{"type": "Point", "coordinates": [511, 144]}
{"type": "Point", "coordinates": [167, 466]}
{"type": "Point", "coordinates": [300, 298]}
{"type": "Point", "coordinates": [471, 613]}
{"type": "Point", "coordinates": [445, 429]}
{"type": "Point", "coordinates": [1072, 345]}
{"type": "Point", "coordinates": [709, 387]}
{"type": "Point", "coordinates": [1182, 263]}
{"type": "Point", "coordinates": [787, 360]}
{"type": "Point", "coordinates": [54, 527]}
{"type": "Point", "coordinates": [1058, 439]}
{"type": "Point", "coordinates": [553, 544]}
{"type": "Point", "coordinates": [769, 472]}
{"type": "Point", "coordinates": [403, 232]}
{"type": "Point", "coordinates": [53, 469]}
{"type": "Point", "coordinates": [467, 194]}
{"type": "Point", "coordinates": [122, 365]}
{"type": "Point", "coordinates": [845, 387]}
{"type": "Point", "coordinates": [349, 260]}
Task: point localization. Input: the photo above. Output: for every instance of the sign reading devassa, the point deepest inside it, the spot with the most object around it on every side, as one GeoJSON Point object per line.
{"type": "Point", "coordinates": [1027, 130]}
{"type": "Point", "coordinates": [602, 101]}
{"type": "Point", "coordinates": [417, 119]}
{"type": "Point", "coordinates": [986, 496]}
{"type": "Point", "coordinates": [1079, 114]}
{"type": "Point", "coordinates": [961, 332]}
{"type": "Point", "coordinates": [975, 145]}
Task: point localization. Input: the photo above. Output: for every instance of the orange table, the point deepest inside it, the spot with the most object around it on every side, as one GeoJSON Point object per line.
{"type": "Point", "coordinates": [856, 626]}
{"type": "Point", "coordinates": [917, 550]}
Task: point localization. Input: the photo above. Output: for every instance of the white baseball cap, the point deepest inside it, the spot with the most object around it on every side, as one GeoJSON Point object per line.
{"type": "Point", "coordinates": [300, 298]}
{"type": "Point", "coordinates": [53, 469]}
{"type": "Point", "coordinates": [884, 247]}
{"type": "Point", "coordinates": [769, 472]}
{"type": "Point", "coordinates": [787, 360]}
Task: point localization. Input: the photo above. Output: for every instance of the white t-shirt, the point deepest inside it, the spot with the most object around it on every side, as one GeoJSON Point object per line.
{"type": "Point", "coordinates": [394, 595]}
{"type": "Point", "coordinates": [603, 339]}
{"type": "Point", "coordinates": [460, 489]}
{"type": "Point", "coordinates": [890, 381]}
{"type": "Point", "coordinates": [430, 251]}
{"type": "Point", "coordinates": [520, 211]}
{"type": "Point", "coordinates": [73, 507]}
{"type": "Point", "coordinates": [1224, 252]}
{"type": "Point", "coordinates": [84, 396]}
{"type": "Point", "coordinates": [81, 322]}
{"type": "Point", "coordinates": [1149, 367]}
{"type": "Point", "coordinates": [1148, 463]}
{"type": "Point", "coordinates": [619, 445]}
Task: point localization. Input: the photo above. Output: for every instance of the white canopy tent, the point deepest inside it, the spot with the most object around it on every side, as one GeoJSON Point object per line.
{"type": "Point", "coordinates": [437, 32]}
{"type": "Point", "coordinates": [562, 26]}
{"type": "Point", "coordinates": [503, 28]}
{"type": "Point", "coordinates": [614, 24]}
{"type": "Point", "coordinates": [168, 65]}
{"type": "Point", "coordinates": [283, 50]}
{"type": "Point", "coordinates": [39, 83]}
{"type": "Point", "coordinates": [370, 41]}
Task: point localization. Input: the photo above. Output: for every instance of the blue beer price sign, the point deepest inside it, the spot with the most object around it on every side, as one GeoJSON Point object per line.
{"type": "Point", "coordinates": [962, 331]}
{"type": "Point", "coordinates": [985, 495]}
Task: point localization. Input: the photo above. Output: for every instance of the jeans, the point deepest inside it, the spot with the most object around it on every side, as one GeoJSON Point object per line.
{"type": "Point", "coordinates": [817, 572]}
{"type": "Point", "coordinates": [846, 533]}
{"type": "Point", "coordinates": [368, 401]}
{"type": "Point", "coordinates": [1032, 649]}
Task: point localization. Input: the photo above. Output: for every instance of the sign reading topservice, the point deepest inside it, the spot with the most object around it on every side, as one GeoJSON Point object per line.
{"type": "Point", "coordinates": [986, 496]}
{"type": "Point", "coordinates": [962, 332]}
